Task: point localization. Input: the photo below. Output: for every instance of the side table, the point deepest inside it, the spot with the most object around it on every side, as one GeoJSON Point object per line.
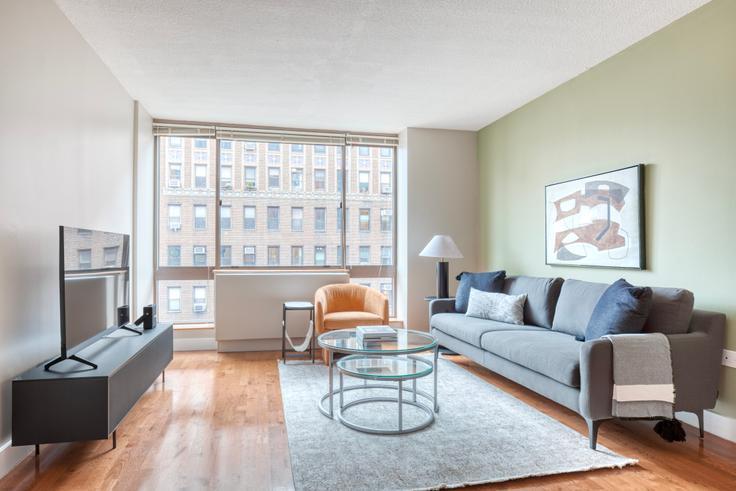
{"type": "Point", "coordinates": [295, 306]}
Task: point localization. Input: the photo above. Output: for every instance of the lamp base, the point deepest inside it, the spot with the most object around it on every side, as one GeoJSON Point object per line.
{"type": "Point", "coordinates": [443, 271]}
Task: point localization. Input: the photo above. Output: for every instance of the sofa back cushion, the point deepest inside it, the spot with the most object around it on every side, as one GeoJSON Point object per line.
{"type": "Point", "coordinates": [491, 281]}
{"type": "Point", "coordinates": [542, 295]}
{"type": "Point", "coordinates": [671, 311]}
{"type": "Point", "coordinates": [622, 309]}
{"type": "Point", "coordinates": [575, 306]}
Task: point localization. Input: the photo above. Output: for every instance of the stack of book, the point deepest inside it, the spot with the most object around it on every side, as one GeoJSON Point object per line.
{"type": "Point", "coordinates": [374, 334]}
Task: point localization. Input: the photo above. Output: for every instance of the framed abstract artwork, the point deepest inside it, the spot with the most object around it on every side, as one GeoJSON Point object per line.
{"type": "Point", "coordinates": [597, 221]}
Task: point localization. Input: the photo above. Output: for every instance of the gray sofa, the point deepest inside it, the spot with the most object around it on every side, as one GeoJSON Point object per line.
{"type": "Point", "coordinates": [544, 356]}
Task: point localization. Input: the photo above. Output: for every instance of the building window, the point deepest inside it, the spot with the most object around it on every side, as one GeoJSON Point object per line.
{"type": "Point", "coordinates": [386, 219]}
{"type": "Point", "coordinates": [274, 178]}
{"type": "Point", "coordinates": [364, 181]}
{"type": "Point", "coordinates": [274, 255]}
{"type": "Point", "coordinates": [250, 158]}
{"type": "Point", "coordinates": [85, 258]}
{"type": "Point", "coordinates": [320, 255]}
{"type": "Point", "coordinates": [385, 183]}
{"type": "Point", "coordinates": [200, 143]}
{"type": "Point", "coordinates": [274, 159]}
{"type": "Point", "coordinates": [339, 254]}
{"type": "Point", "coordinates": [200, 176]}
{"type": "Point", "coordinates": [110, 256]}
{"type": "Point", "coordinates": [174, 175]}
{"type": "Point", "coordinates": [226, 145]}
{"type": "Point", "coordinates": [174, 255]}
{"type": "Point", "coordinates": [319, 219]}
{"type": "Point", "coordinates": [175, 142]}
{"type": "Point", "coordinates": [364, 256]}
{"type": "Point", "coordinates": [174, 218]}
{"type": "Point", "coordinates": [364, 151]}
{"type": "Point", "coordinates": [364, 220]}
{"type": "Point", "coordinates": [199, 299]}
{"type": "Point", "coordinates": [339, 218]}
{"type": "Point", "coordinates": [249, 178]}
{"type": "Point", "coordinates": [273, 217]}
{"type": "Point", "coordinates": [249, 146]}
{"type": "Point", "coordinates": [297, 148]}
{"type": "Point", "coordinates": [226, 255]}
{"type": "Point", "coordinates": [297, 179]}
{"type": "Point", "coordinates": [387, 289]}
{"type": "Point", "coordinates": [339, 180]}
{"type": "Point", "coordinates": [386, 152]}
{"type": "Point", "coordinates": [173, 295]}
{"type": "Point", "coordinates": [226, 177]}
{"type": "Point", "coordinates": [320, 149]}
{"type": "Point", "coordinates": [274, 147]}
{"type": "Point", "coordinates": [249, 217]}
{"type": "Point", "coordinates": [297, 255]}
{"type": "Point", "coordinates": [297, 219]}
{"type": "Point", "coordinates": [386, 258]}
{"type": "Point", "coordinates": [226, 221]}
{"type": "Point", "coordinates": [320, 180]}
{"type": "Point", "coordinates": [200, 217]}
{"type": "Point", "coordinates": [249, 255]}
{"type": "Point", "coordinates": [200, 255]}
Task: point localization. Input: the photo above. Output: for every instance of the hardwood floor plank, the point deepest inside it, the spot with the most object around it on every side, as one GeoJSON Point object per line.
{"type": "Point", "coordinates": [218, 423]}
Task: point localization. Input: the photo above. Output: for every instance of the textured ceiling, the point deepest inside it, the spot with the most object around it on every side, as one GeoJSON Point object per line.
{"type": "Point", "coordinates": [369, 65]}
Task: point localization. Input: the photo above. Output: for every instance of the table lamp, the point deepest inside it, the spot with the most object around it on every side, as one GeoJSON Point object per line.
{"type": "Point", "coordinates": [442, 247]}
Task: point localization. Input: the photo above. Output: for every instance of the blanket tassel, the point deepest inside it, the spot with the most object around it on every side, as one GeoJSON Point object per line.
{"type": "Point", "coordinates": [670, 430]}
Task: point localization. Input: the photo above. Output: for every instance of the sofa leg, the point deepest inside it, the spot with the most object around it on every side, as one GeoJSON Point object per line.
{"type": "Point", "coordinates": [593, 426]}
{"type": "Point", "coordinates": [701, 426]}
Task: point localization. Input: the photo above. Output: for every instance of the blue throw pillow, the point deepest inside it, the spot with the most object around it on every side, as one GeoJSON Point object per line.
{"type": "Point", "coordinates": [486, 282]}
{"type": "Point", "coordinates": [622, 309]}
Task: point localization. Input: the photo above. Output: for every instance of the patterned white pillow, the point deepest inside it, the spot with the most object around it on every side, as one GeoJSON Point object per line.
{"type": "Point", "coordinates": [496, 306]}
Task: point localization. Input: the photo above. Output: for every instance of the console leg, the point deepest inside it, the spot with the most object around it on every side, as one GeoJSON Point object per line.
{"type": "Point", "coordinates": [114, 439]}
{"type": "Point", "coordinates": [38, 449]}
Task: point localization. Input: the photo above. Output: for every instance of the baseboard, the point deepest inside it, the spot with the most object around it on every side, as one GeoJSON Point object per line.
{"type": "Point", "coordinates": [254, 345]}
{"type": "Point", "coordinates": [714, 423]}
{"type": "Point", "coordinates": [11, 456]}
{"type": "Point", "coordinates": [195, 344]}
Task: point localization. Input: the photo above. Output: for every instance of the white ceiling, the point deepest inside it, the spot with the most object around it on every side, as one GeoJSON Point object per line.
{"type": "Point", "coordinates": [367, 65]}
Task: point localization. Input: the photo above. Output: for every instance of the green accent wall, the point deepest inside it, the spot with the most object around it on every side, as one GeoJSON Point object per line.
{"type": "Point", "coordinates": [668, 101]}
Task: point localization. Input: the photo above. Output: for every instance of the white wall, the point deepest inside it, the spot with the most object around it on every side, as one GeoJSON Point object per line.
{"type": "Point", "coordinates": [438, 194]}
{"type": "Point", "coordinates": [66, 152]}
{"type": "Point", "coordinates": [143, 223]}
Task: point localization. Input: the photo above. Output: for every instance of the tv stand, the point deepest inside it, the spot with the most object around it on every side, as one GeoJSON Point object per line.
{"type": "Point", "coordinates": [76, 358]}
{"type": "Point", "coordinates": [71, 403]}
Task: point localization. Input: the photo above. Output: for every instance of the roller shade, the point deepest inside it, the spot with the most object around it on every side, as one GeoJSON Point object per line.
{"type": "Point", "coordinates": [372, 140]}
{"type": "Point", "coordinates": [183, 130]}
{"type": "Point", "coordinates": [286, 136]}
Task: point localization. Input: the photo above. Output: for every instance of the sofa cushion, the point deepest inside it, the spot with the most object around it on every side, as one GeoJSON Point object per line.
{"type": "Point", "coordinates": [622, 309]}
{"type": "Point", "coordinates": [470, 329]}
{"type": "Point", "coordinates": [671, 311]}
{"type": "Point", "coordinates": [496, 306]}
{"type": "Point", "coordinates": [344, 320]}
{"type": "Point", "coordinates": [575, 305]}
{"type": "Point", "coordinates": [542, 295]}
{"type": "Point", "coordinates": [486, 282]}
{"type": "Point", "coordinates": [553, 354]}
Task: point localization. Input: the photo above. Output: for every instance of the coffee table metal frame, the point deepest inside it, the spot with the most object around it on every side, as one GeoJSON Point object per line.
{"type": "Point", "coordinates": [329, 397]}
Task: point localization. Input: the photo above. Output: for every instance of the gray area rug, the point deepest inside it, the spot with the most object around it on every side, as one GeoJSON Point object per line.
{"type": "Point", "coordinates": [480, 435]}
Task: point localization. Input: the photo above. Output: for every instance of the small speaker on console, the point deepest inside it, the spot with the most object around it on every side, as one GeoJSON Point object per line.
{"type": "Point", "coordinates": [123, 315]}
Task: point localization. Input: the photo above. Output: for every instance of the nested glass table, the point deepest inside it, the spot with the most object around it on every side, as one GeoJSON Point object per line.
{"type": "Point", "coordinates": [381, 365]}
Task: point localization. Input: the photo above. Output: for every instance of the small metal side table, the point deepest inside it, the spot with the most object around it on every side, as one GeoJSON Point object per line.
{"type": "Point", "coordinates": [291, 306]}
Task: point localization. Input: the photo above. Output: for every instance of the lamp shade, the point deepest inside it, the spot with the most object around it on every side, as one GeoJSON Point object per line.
{"type": "Point", "coordinates": [441, 246]}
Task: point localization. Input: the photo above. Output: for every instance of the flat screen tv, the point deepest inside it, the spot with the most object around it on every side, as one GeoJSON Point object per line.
{"type": "Point", "coordinates": [94, 280]}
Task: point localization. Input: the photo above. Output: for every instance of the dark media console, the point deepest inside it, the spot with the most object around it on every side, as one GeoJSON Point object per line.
{"type": "Point", "coordinates": [73, 402]}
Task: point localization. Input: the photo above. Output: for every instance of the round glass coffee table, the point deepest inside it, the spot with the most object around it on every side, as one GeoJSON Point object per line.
{"type": "Point", "coordinates": [381, 365]}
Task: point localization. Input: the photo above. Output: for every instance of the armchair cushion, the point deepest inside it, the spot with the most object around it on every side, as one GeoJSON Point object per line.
{"type": "Point", "coordinates": [348, 319]}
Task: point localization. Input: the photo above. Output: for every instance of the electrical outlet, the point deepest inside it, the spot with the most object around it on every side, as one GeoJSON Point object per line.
{"type": "Point", "coordinates": [729, 358]}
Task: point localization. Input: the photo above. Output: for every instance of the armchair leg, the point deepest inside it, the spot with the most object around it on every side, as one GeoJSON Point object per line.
{"type": "Point", "coordinates": [701, 423]}
{"type": "Point", "coordinates": [593, 426]}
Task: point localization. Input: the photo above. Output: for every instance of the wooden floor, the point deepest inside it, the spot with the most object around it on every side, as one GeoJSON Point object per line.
{"type": "Point", "coordinates": [217, 423]}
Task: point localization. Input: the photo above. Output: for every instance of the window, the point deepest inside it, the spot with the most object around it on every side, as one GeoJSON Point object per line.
{"type": "Point", "coordinates": [110, 256]}
{"type": "Point", "coordinates": [249, 178]}
{"type": "Point", "coordinates": [386, 258]}
{"type": "Point", "coordinates": [320, 149]}
{"type": "Point", "coordinates": [226, 221]}
{"type": "Point", "coordinates": [274, 255]}
{"type": "Point", "coordinates": [200, 143]}
{"type": "Point", "coordinates": [250, 158]}
{"type": "Point", "coordinates": [385, 183]}
{"type": "Point", "coordinates": [273, 217]}
{"type": "Point", "coordinates": [200, 217]}
{"type": "Point", "coordinates": [226, 255]}
{"type": "Point", "coordinates": [364, 254]}
{"type": "Point", "coordinates": [274, 147]}
{"type": "Point", "coordinates": [319, 180]}
{"type": "Point", "coordinates": [274, 178]}
{"type": "Point", "coordinates": [249, 146]}
{"type": "Point", "coordinates": [249, 217]}
{"type": "Point", "coordinates": [84, 232]}
{"type": "Point", "coordinates": [364, 151]}
{"type": "Point", "coordinates": [364, 181]}
{"type": "Point", "coordinates": [226, 177]}
{"type": "Point", "coordinates": [174, 255]}
{"type": "Point", "coordinates": [388, 290]}
{"type": "Point", "coordinates": [173, 294]}
{"type": "Point", "coordinates": [200, 255]}
{"type": "Point", "coordinates": [297, 255]}
{"type": "Point", "coordinates": [174, 142]}
{"type": "Point", "coordinates": [200, 176]}
{"type": "Point", "coordinates": [320, 255]}
{"type": "Point", "coordinates": [339, 180]}
{"type": "Point", "coordinates": [174, 218]}
{"type": "Point", "coordinates": [386, 152]}
{"type": "Point", "coordinates": [297, 219]}
{"type": "Point", "coordinates": [274, 158]}
{"type": "Point", "coordinates": [386, 220]}
{"type": "Point", "coordinates": [249, 255]}
{"type": "Point", "coordinates": [297, 148]}
{"type": "Point", "coordinates": [174, 175]}
{"type": "Point", "coordinates": [85, 258]}
{"type": "Point", "coordinates": [339, 219]}
{"type": "Point", "coordinates": [297, 179]}
{"type": "Point", "coordinates": [339, 254]}
{"type": "Point", "coordinates": [199, 296]}
{"type": "Point", "coordinates": [226, 145]}
{"type": "Point", "coordinates": [364, 220]}
{"type": "Point", "coordinates": [319, 219]}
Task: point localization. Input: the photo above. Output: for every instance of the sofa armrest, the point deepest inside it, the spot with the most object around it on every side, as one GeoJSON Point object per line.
{"type": "Point", "coordinates": [441, 306]}
{"type": "Point", "coordinates": [696, 361]}
{"type": "Point", "coordinates": [596, 379]}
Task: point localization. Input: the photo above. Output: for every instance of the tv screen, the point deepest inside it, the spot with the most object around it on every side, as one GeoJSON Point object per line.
{"type": "Point", "coordinates": [94, 283]}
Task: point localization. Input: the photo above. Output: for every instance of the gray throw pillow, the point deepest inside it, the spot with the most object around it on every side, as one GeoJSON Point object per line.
{"type": "Point", "coordinates": [496, 306]}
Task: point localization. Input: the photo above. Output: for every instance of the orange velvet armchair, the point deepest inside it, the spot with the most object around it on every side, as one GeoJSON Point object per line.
{"type": "Point", "coordinates": [348, 305]}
